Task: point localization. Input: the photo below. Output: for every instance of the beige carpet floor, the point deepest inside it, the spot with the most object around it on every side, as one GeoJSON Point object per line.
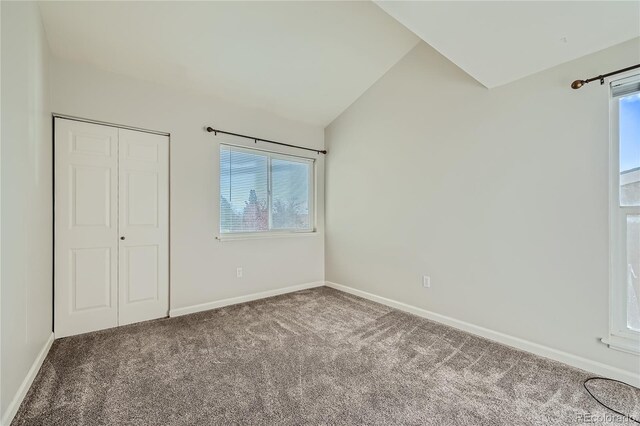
{"type": "Point", "coordinates": [320, 357]}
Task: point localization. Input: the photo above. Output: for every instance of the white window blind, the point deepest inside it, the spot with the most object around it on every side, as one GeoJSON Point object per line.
{"type": "Point", "coordinates": [264, 192]}
{"type": "Point", "coordinates": [625, 86]}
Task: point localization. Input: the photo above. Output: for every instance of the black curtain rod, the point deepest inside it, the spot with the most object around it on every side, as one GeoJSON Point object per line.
{"type": "Point", "coordinates": [579, 83]}
{"type": "Point", "coordinates": [216, 131]}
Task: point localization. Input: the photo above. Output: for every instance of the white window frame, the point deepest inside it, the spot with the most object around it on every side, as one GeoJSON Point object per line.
{"type": "Point", "coordinates": [272, 232]}
{"type": "Point", "coordinates": [621, 337]}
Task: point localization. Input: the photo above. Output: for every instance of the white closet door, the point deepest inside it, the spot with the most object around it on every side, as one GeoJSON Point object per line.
{"type": "Point", "coordinates": [144, 219]}
{"type": "Point", "coordinates": [86, 227]}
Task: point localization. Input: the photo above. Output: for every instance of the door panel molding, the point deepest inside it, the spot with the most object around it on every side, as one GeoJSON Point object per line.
{"type": "Point", "coordinates": [85, 271]}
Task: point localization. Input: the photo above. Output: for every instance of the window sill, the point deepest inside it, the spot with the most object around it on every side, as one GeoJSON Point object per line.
{"type": "Point", "coordinates": [265, 235]}
{"type": "Point", "coordinates": [624, 345]}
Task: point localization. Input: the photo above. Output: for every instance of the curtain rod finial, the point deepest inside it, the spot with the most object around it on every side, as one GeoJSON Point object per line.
{"type": "Point", "coordinates": [578, 84]}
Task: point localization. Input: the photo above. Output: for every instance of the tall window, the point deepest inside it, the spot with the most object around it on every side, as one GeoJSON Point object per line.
{"type": "Point", "coordinates": [625, 215]}
{"type": "Point", "coordinates": [264, 192]}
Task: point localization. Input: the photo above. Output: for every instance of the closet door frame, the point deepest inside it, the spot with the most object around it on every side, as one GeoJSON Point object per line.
{"type": "Point", "coordinates": [54, 273]}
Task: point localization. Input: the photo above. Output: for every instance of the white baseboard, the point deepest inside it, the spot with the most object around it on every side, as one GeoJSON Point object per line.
{"type": "Point", "coordinates": [12, 409]}
{"type": "Point", "coordinates": [525, 345]}
{"type": "Point", "coordinates": [241, 299]}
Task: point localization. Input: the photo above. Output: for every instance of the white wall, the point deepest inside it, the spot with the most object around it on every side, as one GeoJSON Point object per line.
{"type": "Point", "coordinates": [202, 269]}
{"type": "Point", "coordinates": [499, 195]}
{"type": "Point", "coordinates": [26, 224]}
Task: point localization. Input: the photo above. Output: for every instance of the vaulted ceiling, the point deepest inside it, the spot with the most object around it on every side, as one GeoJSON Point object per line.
{"type": "Point", "coordinates": [306, 61]}
{"type": "Point", "coordinates": [497, 42]}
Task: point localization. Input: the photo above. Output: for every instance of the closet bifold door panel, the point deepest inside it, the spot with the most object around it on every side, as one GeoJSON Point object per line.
{"type": "Point", "coordinates": [111, 227]}
{"type": "Point", "coordinates": [144, 219]}
{"type": "Point", "coordinates": [86, 227]}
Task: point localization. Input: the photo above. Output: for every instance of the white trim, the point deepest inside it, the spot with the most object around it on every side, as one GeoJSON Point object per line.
{"type": "Point", "coordinates": [12, 409]}
{"type": "Point", "coordinates": [106, 123]}
{"type": "Point", "coordinates": [263, 235]}
{"type": "Point", "coordinates": [242, 299]}
{"type": "Point", "coordinates": [516, 342]}
{"type": "Point", "coordinates": [621, 344]}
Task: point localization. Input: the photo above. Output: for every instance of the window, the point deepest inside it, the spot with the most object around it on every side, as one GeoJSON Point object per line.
{"type": "Point", "coordinates": [264, 192]}
{"type": "Point", "coordinates": [625, 215]}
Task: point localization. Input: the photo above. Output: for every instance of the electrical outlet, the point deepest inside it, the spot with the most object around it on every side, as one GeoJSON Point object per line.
{"type": "Point", "coordinates": [238, 272]}
{"type": "Point", "coordinates": [426, 281]}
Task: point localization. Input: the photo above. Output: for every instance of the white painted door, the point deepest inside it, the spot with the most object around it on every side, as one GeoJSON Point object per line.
{"type": "Point", "coordinates": [144, 218]}
{"type": "Point", "coordinates": [86, 227]}
{"type": "Point", "coordinates": [111, 227]}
